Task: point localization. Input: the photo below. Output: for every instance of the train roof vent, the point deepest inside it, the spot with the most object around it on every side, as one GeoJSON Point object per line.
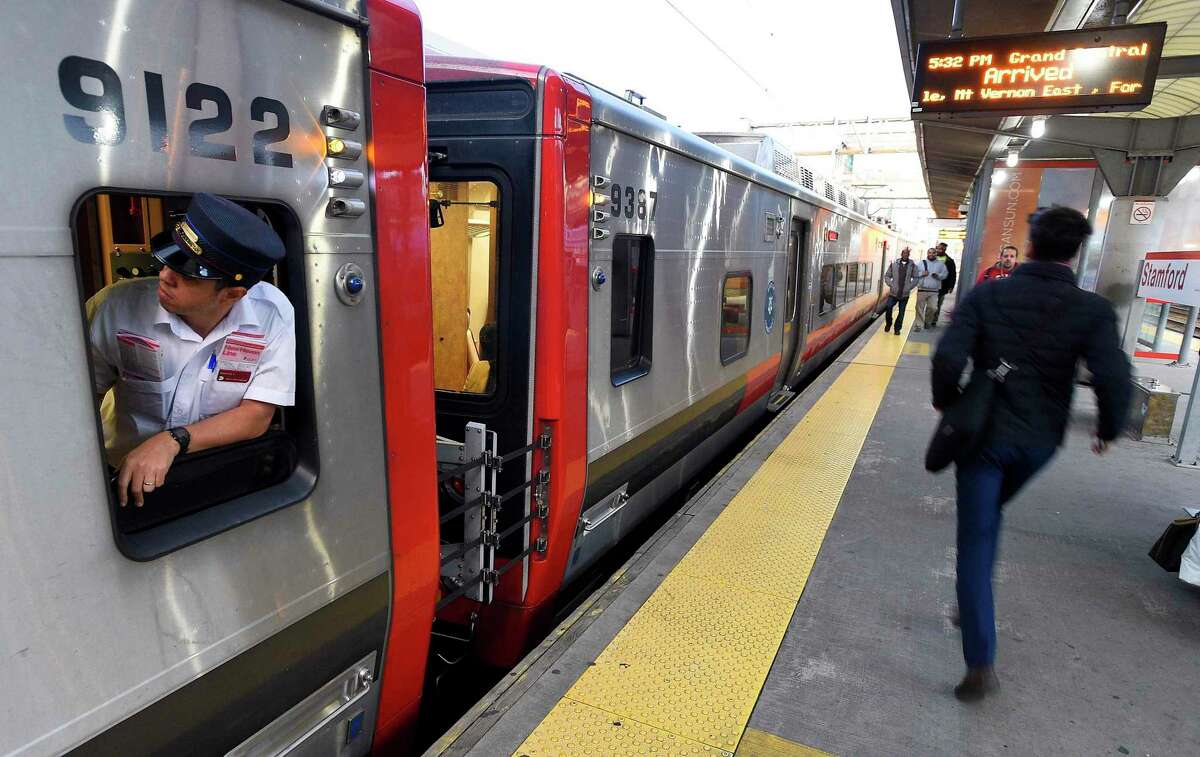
{"type": "Point", "coordinates": [842, 198]}
{"type": "Point", "coordinates": [784, 164]}
{"type": "Point", "coordinates": [828, 191]}
{"type": "Point", "coordinates": [806, 178]}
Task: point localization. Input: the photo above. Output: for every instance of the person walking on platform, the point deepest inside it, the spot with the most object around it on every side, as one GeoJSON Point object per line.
{"type": "Point", "coordinates": [1003, 268]}
{"type": "Point", "coordinates": [948, 284]}
{"type": "Point", "coordinates": [1039, 324]}
{"type": "Point", "coordinates": [901, 278]}
{"type": "Point", "coordinates": [930, 275]}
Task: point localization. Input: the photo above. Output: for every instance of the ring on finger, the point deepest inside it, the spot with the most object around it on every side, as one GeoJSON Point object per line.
{"type": "Point", "coordinates": [147, 483]}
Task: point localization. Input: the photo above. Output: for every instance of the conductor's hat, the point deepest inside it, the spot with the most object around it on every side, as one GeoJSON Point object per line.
{"type": "Point", "coordinates": [219, 239]}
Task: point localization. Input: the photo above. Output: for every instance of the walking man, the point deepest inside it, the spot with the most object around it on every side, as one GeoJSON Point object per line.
{"type": "Point", "coordinates": [901, 278]}
{"type": "Point", "coordinates": [949, 282]}
{"type": "Point", "coordinates": [1003, 268]}
{"type": "Point", "coordinates": [930, 275]}
{"type": "Point", "coordinates": [1041, 324]}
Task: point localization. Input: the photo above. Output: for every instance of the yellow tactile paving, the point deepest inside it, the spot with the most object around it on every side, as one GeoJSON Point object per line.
{"type": "Point", "coordinates": [686, 671]}
{"type": "Point", "coordinates": [758, 743]}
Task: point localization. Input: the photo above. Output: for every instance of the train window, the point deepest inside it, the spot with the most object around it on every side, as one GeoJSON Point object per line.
{"type": "Point", "coordinates": [139, 366]}
{"type": "Point", "coordinates": [632, 307]}
{"type": "Point", "coordinates": [839, 285]}
{"type": "Point", "coordinates": [464, 265]}
{"type": "Point", "coordinates": [827, 288]}
{"type": "Point", "coordinates": [851, 281]}
{"type": "Point", "coordinates": [736, 304]}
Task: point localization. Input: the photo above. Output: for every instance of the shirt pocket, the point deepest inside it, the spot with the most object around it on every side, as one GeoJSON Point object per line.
{"type": "Point", "coordinates": [148, 403]}
{"type": "Point", "coordinates": [219, 396]}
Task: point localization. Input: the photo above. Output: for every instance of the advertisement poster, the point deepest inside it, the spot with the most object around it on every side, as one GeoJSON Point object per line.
{"type": "Point", "coordinates": [1018, 192]}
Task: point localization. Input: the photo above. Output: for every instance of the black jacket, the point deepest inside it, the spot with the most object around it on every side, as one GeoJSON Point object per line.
{"type": "Point", "coordinates": [952, 276]}
{"type": "Point", "coordinates": [1038, 304]}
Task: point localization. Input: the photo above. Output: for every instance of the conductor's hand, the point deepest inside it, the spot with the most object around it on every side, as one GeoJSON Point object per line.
{"type": "Point", "coordinates": [145, 468]}
{"type": "Point", "coordinates": [1099, 446]}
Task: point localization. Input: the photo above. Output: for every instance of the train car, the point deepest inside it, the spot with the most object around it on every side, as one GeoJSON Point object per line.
{"type": "Point", "coordinates": [620, 294]}
{"type": "Point", "coordinates": [275, 595]}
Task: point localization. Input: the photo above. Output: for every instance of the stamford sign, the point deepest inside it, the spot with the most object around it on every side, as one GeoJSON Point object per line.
{"type": "Point", "coordinates": [1171, 277]}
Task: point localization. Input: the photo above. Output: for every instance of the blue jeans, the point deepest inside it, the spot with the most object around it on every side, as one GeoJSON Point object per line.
{"type": "Point", "coordinates": [985, 484]}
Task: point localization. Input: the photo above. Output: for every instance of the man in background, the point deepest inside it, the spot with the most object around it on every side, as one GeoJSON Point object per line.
{"type": "Point", "coordinates": [931, 272]}
{"type": "Point", "coordinates": [949, 282]}
{"type": "Point", "coordinates": [1003, 268]}
{"type": "Point", "coordinates": [901, 278]}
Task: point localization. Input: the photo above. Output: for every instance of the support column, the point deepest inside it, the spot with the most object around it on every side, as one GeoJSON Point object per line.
{"type": "Point", "coordinates": [1187, 452]}
{"type": "Point", "coordinates": [1160, 331]}
{"type": "Point", "coordinates": [1189, 329]}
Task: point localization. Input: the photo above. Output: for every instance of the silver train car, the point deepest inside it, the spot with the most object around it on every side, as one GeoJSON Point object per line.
{"type": "Point", "coordinates": [652, 293]}
{"type": "Point", "coordinates": [249, 609]}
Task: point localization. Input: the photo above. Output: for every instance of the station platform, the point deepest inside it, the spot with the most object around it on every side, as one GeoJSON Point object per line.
{"type": "Point", "coordinates": [801, 603]}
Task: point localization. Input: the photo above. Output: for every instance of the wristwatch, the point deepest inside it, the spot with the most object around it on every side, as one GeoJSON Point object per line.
{"type": "Point", "coordinates": [181, 435]}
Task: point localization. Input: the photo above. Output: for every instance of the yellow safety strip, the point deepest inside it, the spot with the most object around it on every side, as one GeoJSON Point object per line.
{"type": "Point", "coordinates": [756, 743]}
{"type": "Point", "coordinates": [682, 677]}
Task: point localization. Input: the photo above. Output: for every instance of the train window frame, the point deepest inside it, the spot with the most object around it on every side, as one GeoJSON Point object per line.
{"type": "Point", "coordinates": [499, 274]}
{"type": "Point", "coordinates": [293, 431]}
{"type": "Point", "coordinates": [749, 310]}
{"type": "Point", "coordinates": [641, 360]}
{"type": "Point", "coordinates": [852, 290]}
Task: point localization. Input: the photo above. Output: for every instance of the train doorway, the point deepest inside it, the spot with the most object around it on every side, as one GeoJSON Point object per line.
{"type": "Point", "coordinates": [792, 324]}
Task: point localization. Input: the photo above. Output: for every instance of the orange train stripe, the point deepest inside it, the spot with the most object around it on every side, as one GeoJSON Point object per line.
{"type": "Point", "coordinates": [759, 381]}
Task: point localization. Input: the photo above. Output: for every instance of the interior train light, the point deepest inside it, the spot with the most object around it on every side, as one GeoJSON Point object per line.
{"type": "Point", "coordinates": [340, 118]}
{"type": "Point", "coordinates": [345, 177]}
{"type": "Point", "coordinates": [346, 207]}
{"type": "Point", "coordinates": [1038, 127]}
{"type": "Point", "coordinates": [1014, 157]}
{"type": "Point", "coordinates": [999, 175]}
{"type": "Point", "coordinates": [336, 147]}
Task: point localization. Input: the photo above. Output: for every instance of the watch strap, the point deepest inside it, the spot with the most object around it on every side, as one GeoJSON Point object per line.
{"type": "Point", "coordinates": [182, 437]}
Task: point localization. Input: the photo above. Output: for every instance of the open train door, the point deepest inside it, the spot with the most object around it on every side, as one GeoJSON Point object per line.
{"type": "Point", "coordinates": [792, 323]}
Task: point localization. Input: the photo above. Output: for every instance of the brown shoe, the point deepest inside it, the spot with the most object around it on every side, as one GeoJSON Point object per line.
{"type": "Point", "coordinates": [976, 684]}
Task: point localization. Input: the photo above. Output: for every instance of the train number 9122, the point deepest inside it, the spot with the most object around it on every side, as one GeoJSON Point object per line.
{"type": "Point", "coordinates": [632, 202]}
{"type": "Point", "coordinates": [103, 95]}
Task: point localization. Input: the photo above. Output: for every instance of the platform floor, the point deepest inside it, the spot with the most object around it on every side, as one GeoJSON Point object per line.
{"type": "Point", "coordinates": [800, 604]}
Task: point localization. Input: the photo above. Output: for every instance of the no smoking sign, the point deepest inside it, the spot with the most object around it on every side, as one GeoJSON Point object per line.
{"type": "Point", "coordinates": [1141, 213]}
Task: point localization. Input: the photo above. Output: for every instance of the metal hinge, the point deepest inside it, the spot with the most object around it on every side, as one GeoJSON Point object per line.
{"type": "Point", "coordinates": [489, 538]}
{"type": "Point", "coordinates": [544, 440]}
{"type": "Point", "coordinates": [489, 576]}
{"type": "Point", "coordinates": [541, 543]}
{"type": "Point", "coordinates": [492, 461]}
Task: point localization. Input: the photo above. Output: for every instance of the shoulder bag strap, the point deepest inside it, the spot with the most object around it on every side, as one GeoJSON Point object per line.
{"type": "Point", "coordinates": [1011, 362]}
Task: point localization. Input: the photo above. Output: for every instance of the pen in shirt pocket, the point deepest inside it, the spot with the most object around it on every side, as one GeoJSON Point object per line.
{"type": "Point", "coordinates": [209, 367]}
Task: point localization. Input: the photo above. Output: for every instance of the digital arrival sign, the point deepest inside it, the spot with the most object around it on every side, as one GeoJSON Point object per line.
{"type": "Point", "coordinates": [1081, 71]}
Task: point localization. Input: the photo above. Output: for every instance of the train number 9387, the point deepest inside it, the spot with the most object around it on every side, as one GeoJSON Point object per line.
{"type": "Point", "coordinates": [102, 94]}
{"type": "Point", "coordinates": [632, 202]}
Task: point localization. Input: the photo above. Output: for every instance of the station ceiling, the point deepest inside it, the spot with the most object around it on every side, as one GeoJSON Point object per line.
{"type": "Point", "coordinates": [950, 159]}
{"type": "Point", "coordinates": [1173, 97]}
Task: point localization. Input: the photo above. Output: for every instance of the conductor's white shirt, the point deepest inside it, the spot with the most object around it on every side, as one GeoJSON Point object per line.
{"type": "Point", "coordinates": [156, 373]}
